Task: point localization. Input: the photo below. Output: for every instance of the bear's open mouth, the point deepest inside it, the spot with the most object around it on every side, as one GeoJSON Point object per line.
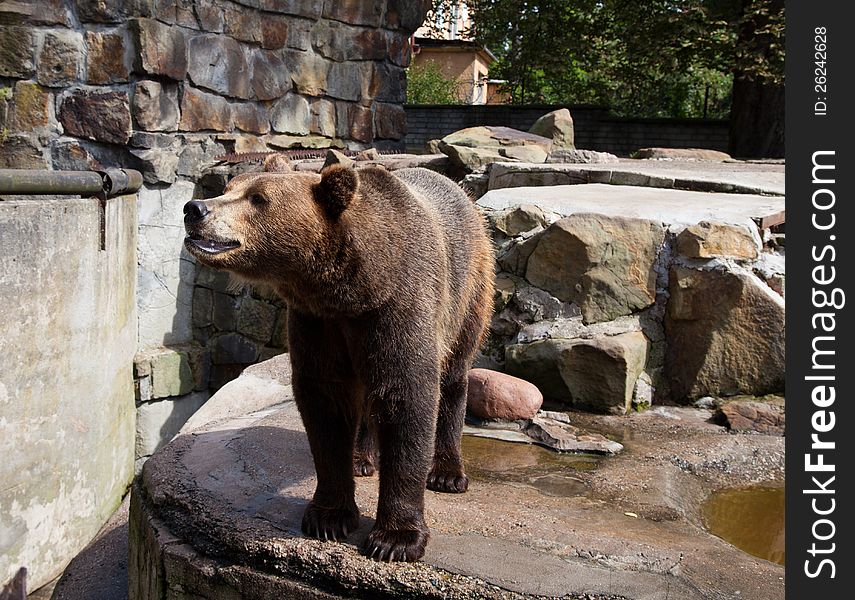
{"type": "Point", "coordinates": [210, 246]}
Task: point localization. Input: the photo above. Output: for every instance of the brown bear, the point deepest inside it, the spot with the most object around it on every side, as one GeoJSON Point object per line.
{"type": "Point", "coordinates": [388, 278]}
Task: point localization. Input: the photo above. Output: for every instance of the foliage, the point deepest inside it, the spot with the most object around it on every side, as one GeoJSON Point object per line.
{"type": "Point", "coordinates": [426, 84]}
{"type": "Point", "coordinates": [658, 58]}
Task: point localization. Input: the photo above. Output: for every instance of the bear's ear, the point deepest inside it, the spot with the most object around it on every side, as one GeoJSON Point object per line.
{"type": "Point", "coordinates": [277, 163]}
{"type": "Point", "coordinates": [336, 189]}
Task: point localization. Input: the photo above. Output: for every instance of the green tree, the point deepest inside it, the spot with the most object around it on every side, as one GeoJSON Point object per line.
{"type": "Point", "coordinates": [657, 58]}
{"type": "Point", "coordinates": [426, 84]}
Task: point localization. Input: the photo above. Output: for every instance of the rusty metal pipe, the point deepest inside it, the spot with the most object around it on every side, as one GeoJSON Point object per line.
{"type": "Point", "coordinates": [111, 182]}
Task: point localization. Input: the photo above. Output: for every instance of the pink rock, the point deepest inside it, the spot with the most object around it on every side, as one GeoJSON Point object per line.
{"type": "Point", "coordinates": [495, 395]}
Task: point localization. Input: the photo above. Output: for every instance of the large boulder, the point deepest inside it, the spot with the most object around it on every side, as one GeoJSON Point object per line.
{"type": "Point", "coordinates": [603, 264]}
{"type": "Point", "coordinates": [725, 334]}
{"type": "Point", "coordinates": [474, 148]}
{"type": "Point", "coordinates": [557, 126]}
{"type": "Point", "coordinates": [597, 374]}
{"type": "Point", "coordinates": [600, 373]}
{"type": "Point", "coordinates": [710, 240]}
{"type": "Point", "coordinates": [495, 395]}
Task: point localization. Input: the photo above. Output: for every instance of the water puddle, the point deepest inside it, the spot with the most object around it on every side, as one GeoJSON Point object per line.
{"type": "Point", "coordinates": [752, 519]}
{"type": "Point", "coordinates": [551, 473]}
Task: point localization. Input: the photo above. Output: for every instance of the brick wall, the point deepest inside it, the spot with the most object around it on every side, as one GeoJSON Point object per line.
{"type": "Point", "coordinates": [595, 128]}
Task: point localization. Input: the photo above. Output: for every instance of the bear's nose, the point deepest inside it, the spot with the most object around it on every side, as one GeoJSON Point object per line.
{"type": "Point", "coordinates": [194, 211]}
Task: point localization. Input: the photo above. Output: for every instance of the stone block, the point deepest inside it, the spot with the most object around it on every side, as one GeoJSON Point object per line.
{"type": "Point", "coordinates": [399, 49]}
{"type": "Point", "coordinates": [209, 15]}
{"type": "Point", "coordinates": [155, 106]}
{"type": "Point", "coordinates": [711, 240]}
{"type": "Point", "coordinates": [234, 348]}
{"type": "Point", "coordinates": [160, 49]}
{"type": "Point", "coordinates": [41, 12]}
{"type": "Point", "coordinates": [218, 63]}
{"type": "Point", "coordinates": [405, 14]}
{"type": "Point", "coordinates": [177, 12]}
{"type": "Point", "coordinates": [603, 264]}
{"type": "Point", "coordinates": [200, 151]}
{"type": "Point", "coordinates": [345, 80]}
{"type": "Point", "coordinates": [105, 58]}
{"type": "Point", "coordinates": [343, 43]}
{"type": "Point", "coordinates": [724, 333]}
{"type": "Point", "coordinates": [299, 8]}
{"type": "Point", "coordinates": [159, 164]}
{"type": "Point", "coordinates": [274, 32]}
{"type": "Point", "coordinates": [521, 219]}
{"type": "Point", "coordinates": [250, 117]}
{"type": "Point", "coordinates": [291, 115]}
{"type": "Point", "coordinates": [61, 58]}
{"type": "Point", "coordinates": [242, 24]}
{"type": "Point", "coordinates": [17, 52]}
{"type": "Point", "coordinates": [71, 156]}
{"type": "Point", "coordinates": [355, 12]}
{"type": "Point", "coordinates": [557, 126]}
{"type": "Point", "coordinates": [387, 83]}
{"type": "Point", "coordinates": [271, 76]}
{"type": "Point", "coordinates": [361, 120]}
{"type": "Point", "coordinates": [309, 72]}
{"type": "Point", "coordinates": [158, 422]}
{"type": "Point", "coordinates": [98, 116]}
{"type": "Point", "coordinates": [203, 307]}
{"type": "Point", "coordinates": [601, 373]}
{"type": "Point", "coordinates": [225, 311]}
{"type": "Point", "coordinates": [537, 362]}
{"type": "Point", "coordinates": [170, 373]}
{"type": "Point", "coordinates": [390, 121]}
{"type": "Point", "coordinates": [104, 11]}
{"type": "Point", "coordinates": [202, 111]}
{"type": "Point", "coordinates": [30, 109]}
{"type": "Point", "coordinates": [322, 117]}
{"type": "Point", "coordinates": [256, 319]}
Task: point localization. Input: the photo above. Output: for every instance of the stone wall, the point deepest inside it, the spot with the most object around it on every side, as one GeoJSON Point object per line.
{"type": "Point", "coordinates": [67, 343]}
{"type": "Point", "coordinates": [595, 128]}
{"type": "Point", "coordinates": [612, 298]}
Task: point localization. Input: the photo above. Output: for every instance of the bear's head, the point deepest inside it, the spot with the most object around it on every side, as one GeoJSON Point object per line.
{"type": "Point", "coordinates": [272, 226]}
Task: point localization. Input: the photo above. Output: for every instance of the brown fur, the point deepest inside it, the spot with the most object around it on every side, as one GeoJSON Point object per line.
{"type": "Point", "coordinates": [389, 282]}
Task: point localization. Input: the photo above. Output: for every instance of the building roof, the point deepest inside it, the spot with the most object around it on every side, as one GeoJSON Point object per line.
{"type": "Point", "coordinates": [434, 44]}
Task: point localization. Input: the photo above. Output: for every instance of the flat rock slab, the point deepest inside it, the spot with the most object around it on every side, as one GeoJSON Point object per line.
{"type": "Point", "coordinates": [731, 177]}
{"type": "Point", "coordinates": [668, 206]}
{"type": "Point", "coordinates": [217, 514]}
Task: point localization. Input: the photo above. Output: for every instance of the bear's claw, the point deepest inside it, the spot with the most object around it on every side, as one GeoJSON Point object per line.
{"type": "Point", "coordinates": [331, 524]}
{"type": "Point", "coordinates": [392, 545]}
{"type": "Point", "coordinates": [449, 482]}
{"type": "Point", "coordinates": [363, 466]}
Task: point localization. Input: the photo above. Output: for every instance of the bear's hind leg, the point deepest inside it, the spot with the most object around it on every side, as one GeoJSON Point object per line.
{"type": "Point", "coordinates": [365, 453]}
{"type": "Point", "coordinates": [330, 422]}
{"type": "Point", "coordinates": [447, 474]}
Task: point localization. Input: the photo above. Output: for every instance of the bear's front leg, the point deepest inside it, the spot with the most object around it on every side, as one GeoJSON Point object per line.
{"type": "Point", "coordinates": [405, 431]}
{"type": "Point", "coordinates": [330, 422]}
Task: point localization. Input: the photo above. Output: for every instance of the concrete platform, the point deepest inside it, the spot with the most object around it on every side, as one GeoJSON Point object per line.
{"type": "Point", "coordinates": [672, 207]}
{"type": "Point", "coordinates": [727, 177]}
{"type": "Point", "coordinates": [217, 515]}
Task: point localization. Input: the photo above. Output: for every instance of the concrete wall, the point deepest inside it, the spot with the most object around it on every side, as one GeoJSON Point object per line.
{"type": "Point", "coordinates": [68, 325]}
{"type": "Point", "coordinates": [595, 128]}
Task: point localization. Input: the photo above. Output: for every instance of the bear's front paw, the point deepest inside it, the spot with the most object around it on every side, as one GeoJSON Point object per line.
{"type": "Point", "coordinates": [450, 481]}
{"type": "Point", "coordinates": [363, 465]}
{"type": "Point", "coordinates": [329, 523]}
{"type": "Point", "coordinates": [396, 544]}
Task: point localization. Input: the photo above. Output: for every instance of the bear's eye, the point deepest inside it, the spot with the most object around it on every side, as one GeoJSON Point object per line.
{"type": "Point", "coordinates": [257, 199]}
